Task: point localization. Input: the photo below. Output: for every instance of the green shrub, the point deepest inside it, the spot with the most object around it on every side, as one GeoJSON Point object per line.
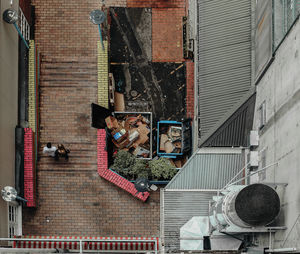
{"type": "Point", "coordinates": [140, 169]}
{"type": "Point", "coordinates": [123, 162]}
{"type": "Point", "coordinates": [162, 169]}
{"type": "Point", "coordinates": [129, 166]}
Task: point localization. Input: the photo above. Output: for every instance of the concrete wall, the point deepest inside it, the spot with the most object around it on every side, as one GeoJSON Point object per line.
{"type": "Point", "coordinates": [280, 89]}
{"type": "Point", "coordinates": [8, 107]}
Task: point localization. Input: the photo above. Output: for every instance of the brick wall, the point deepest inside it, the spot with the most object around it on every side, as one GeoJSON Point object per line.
{"type": "Point", "coordinates": [167, 34]}
{"type": "Point", "coordinates": [32, 88]}
{"type": "Point", "coordinates": [189, 89]}
{"type": "Point", "coordinates": [156, 3]}
{"type": "Point", "coordinates": [29, 168]}
{"type": "Point", "coordinates": [102, 74]}
{"type": "Point", "coordinates": [110, 175]}
{"type": "Point", "coordinates": [115, 3]}
{"type": "Point", "coordinates": [64, 27]}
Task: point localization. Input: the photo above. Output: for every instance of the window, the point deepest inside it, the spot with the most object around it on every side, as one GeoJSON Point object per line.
{"type": "Point", "coordinates": [14, 220]}
{"type": "Point", "coordinates": [273, 20]}
{"type": "Point", "coordinates": [262, 115]}
{"type": "Point", "coordinates": [285, 13]}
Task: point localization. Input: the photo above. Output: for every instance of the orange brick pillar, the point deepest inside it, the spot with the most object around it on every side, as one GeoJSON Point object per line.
{"type": "Point", "coordinates": [190, 89]}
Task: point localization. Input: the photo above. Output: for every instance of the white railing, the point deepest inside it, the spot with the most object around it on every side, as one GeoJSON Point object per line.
{"type": "Point", "coordinates": [81, 241]}
{"type": "Point", "coordinates": [24, 25]}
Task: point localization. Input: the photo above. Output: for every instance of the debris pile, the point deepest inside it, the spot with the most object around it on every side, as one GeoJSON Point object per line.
{"type": "Point", "coordinates": [170, 139]}
{"type": "Point", "coordinates": [131, 133]}
{"type": "Point", "coordinates": [178, 162]}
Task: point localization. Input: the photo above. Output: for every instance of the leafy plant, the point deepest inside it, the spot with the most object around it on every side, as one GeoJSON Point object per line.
{"type": "Point", "coordinates": [162, 169]}
{"type": "Point", "coordinates": [123, 162]}
{"type": "Point", "coordinates": [140, 169]}
{"type": "Point", "coordinates": [129, 166]}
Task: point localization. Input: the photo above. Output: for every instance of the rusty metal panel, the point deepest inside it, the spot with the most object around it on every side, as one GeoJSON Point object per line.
{"type": "Point", "coordinates": [263, 35]}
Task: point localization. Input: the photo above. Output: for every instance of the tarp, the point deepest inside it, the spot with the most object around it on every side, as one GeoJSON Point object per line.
{"type": "Point", "coordinates": [192, 233]}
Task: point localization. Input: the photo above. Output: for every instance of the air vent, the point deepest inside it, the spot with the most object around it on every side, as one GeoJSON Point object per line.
{"type": "Point", "coordinates": [252, 160]}
{"type": "Point", "coordinates": [253, 139]}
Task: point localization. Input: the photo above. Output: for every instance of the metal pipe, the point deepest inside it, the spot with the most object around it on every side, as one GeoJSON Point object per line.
{"type": "Point", "coordinates": [257, 171]}
{"type": "Point", "coordinates": [237, 174]}
{"type": "Point", "coordinates": [19, 32]}
{"type": "Point", "coordinates": [270, 240]}
{"type": "Point", "coordinates": [101, 37]}
{"type": "Point", "coordinates": [80, 247]}
{"type": "Point", "coordinates": [281, 250]}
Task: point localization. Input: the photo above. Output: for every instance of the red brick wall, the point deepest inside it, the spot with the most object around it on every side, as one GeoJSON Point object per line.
{"type": "Point", "coordinates": [167, 34]}
{"type": "Point", "coordinates": [110, 175]}
{"type": "Point", "coordinates": [156, 3]}
{"type": "Point", "coordinates": [29, 168]}
{"type": "Point", "coordinates": [190, 89]}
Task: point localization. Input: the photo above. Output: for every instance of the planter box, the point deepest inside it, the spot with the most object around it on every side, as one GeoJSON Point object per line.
{"type": "Point", "coordinates": [182, 141]}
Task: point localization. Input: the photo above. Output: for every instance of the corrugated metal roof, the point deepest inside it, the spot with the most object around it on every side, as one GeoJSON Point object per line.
{"type": "Point", "coordinates": [224, 59]}
{"type": "Point", "coordinates": [235, 130]}
{"type": "Point", "coordinates": [208, 170]}
{"type": "Point", "coordinates": [178, 208]}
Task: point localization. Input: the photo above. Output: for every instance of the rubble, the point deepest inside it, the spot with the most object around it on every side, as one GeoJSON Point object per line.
{"type": "Point", "coordinates": [131, 132]}
{"type": "Point", "coordinates": [170, 138]}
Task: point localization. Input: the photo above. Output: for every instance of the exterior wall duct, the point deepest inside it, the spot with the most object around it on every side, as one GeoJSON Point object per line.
{"type": "Point", "coordinates": [255, 205]}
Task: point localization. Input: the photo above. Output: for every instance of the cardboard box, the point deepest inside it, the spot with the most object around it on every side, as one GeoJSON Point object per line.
{"type": "Point", "coordinates": [111, 122]}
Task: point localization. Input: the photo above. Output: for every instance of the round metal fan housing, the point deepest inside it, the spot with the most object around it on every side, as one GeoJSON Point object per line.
{"type": "Point", "coordinates": [9, 193]}
{"type": "Point", "coordinates": [97, 17]}
{"type": "Point", "coordinates": [142, 185]}
{"type": "Point", "coordinates": [10, 16]}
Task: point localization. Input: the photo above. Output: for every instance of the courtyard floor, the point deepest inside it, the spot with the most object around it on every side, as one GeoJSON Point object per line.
{"type": "Point", "coordinates": [72, 198]}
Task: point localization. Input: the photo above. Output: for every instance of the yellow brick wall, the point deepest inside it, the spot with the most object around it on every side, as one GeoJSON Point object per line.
{"type": "Point", "coordinates": [102, 75]}
{"type": "Point", "coordinates": [31, 86]}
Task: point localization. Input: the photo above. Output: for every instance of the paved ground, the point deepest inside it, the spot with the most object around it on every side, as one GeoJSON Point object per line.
{"type": "Point", "coordinates": [72, 198]}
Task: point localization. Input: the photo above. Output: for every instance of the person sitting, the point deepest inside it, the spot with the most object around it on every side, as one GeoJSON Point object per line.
{"type": "Point", "coordinates": [49, 150]}
{"type": "Point", "coordinates": [62, 152]}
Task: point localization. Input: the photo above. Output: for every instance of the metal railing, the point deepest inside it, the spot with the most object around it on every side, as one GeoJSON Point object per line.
{"type": "Point", "coordinates": [24, 25]}
{"type": "Point", "coordinates": [81, 241]}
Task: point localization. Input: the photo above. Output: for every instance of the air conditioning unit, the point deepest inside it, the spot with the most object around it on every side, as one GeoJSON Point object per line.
{"type": "Point", "coordinates": [253, 139]}
{"type": "Point", "coordinates": [252, 159]}
{"type": "Point", "coordinates": [244, 208]}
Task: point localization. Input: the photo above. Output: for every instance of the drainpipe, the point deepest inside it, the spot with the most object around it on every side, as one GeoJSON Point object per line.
{"type": "Point", "coordinates": [281, 250]}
